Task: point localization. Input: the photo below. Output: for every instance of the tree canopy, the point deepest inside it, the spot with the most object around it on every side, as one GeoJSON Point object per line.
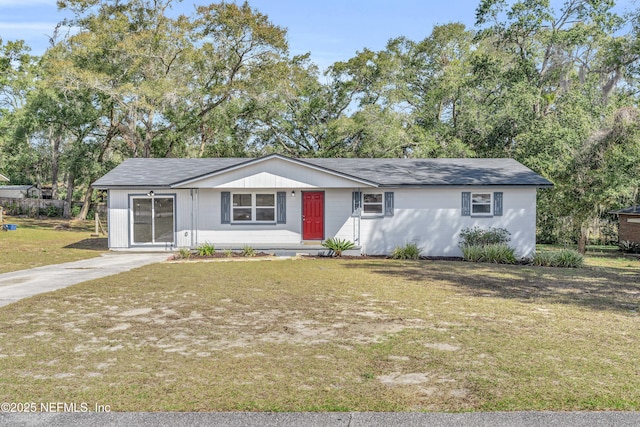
{"type": "Point", "coordinates": [555, 88]}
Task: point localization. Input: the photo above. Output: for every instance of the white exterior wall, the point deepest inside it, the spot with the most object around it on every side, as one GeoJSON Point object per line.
{"type": "Point", "coordinates": [432, 219]}
{"type": "Point", "coordinates": [337, 220]}
{"type": "Point", "coordinates": [211, 230]}
{"type": "Point", "coordinates": [120, 218]}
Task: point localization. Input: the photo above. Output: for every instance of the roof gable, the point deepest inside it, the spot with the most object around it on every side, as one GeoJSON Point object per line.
{"type": "Point", "coordinates": [274, 171]}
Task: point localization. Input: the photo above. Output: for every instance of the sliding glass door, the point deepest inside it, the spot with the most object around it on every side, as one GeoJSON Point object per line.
{"type": "Point", "coordinates": [153, 219]}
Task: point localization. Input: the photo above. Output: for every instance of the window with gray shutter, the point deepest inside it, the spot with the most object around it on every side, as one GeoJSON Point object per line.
{"type": "Point", "coordinates": [225, 207]}
{"type": "Point", "coordinates": [388, 204]}
{"type": "Point", "coordinates": [282, 207]}
{"type": "Point", "coordinates": [356, 202]}
{"type": "Point", "coordinates": [497, 203]}
{"type": "Point", "coordinates": [466, 203]}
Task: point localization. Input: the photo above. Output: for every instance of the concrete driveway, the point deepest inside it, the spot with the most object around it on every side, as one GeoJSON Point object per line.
{"type": "Point", "coordinates": [25, 283]}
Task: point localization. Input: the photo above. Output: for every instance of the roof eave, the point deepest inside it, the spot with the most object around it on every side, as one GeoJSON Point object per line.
{"type": "Point", "coordinates": [464, 185]}
{"type": "Point", "coordinates": [128, 186]}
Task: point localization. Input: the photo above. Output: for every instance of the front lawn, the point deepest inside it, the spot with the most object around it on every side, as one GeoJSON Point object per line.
{"type": "Point", "coordinates": [44, 242]}
{"type": "Point", "coordinates": [330, 335]}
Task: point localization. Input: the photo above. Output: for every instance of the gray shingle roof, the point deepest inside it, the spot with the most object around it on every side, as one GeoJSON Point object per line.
{"type": "Point", "coordinates": [16, 187]}
{"type": "Point", "coordinates": [632, 210]}
{"type": "Point", "coordinates": [161, 172]}
{"type": "Point", "coordinates": [402, 172]}
{"type": "Point", "coordinates": [381, 172]}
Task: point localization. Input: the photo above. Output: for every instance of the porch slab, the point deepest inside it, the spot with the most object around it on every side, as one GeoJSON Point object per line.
{"type": "Point", "coordinates": [289, 250]}
{"type": "Point", "coordinates": [277, 249]}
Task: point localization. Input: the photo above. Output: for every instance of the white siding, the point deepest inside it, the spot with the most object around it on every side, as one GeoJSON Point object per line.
{"type": "Point", "coordinates": [211, 230]}
{"type": "Point", "coordinates": [119, 217]}
{"type": "Point", "coordinates": [432, 219]}
{"type": "Point", "coordinates": [274, 173]}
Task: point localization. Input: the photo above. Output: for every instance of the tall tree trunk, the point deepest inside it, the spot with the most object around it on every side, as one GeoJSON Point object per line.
{"type": "Point", "coordinates": [55, 139]}
{"type": "Point", "coordinates": [582, 240]}
{"type": "Point", "coordinates": [69, 204]}
{"type": "Point", "coordinates": [86, 204]}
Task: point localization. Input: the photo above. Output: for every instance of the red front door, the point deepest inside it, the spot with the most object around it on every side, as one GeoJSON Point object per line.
{"type": "Point", "coordinates": [312, 215]}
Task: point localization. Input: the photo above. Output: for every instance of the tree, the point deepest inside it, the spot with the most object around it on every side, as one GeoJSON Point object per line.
{"type": "Point", "coordinates": [558, 88]}
{"type": "Point", "coordinates": [162, 85]}
{"type": "Point", "coordinates": [18, 74]}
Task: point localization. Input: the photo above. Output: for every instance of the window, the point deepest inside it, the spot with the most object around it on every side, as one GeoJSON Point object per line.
{"type": "Point", "coordinates": [481, 204]}
{"type": "Point", "coordinates": [153, 220]}
{"type": "Point", "coordinates": [372, 204]}
{"type": "Point", "coordinates": [250, 207]}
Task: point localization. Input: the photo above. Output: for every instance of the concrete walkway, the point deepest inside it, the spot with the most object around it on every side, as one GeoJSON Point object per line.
{"type": "Point", "coordinates": [25, 283]}
{"type": "Point", "coordinates": [322, 419]}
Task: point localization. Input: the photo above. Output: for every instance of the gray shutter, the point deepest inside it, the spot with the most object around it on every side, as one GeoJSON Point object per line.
{"type": "Point", "coordinates": [388, 204]}
{"type": "Point", "coordinates": [466, 203]}
{"type": "Point", "coordinates": [225, 207]}
{"type": "Point", "coordinates": [356, 202]}
{"type": "Point", "coordinates": [281, 207]}
{"type": "Point", "coordinates": [497, 203]}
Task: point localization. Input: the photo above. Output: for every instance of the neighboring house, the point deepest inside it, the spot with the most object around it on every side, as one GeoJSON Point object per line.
{"type": "Point", "coordinates": [629, 224]}
{"type": "Point", "coordinates": [3, 178]}
{"type": "Point", "coordinates": [277, 202]}
{"type": "Point", "coordinates": [19, 191]}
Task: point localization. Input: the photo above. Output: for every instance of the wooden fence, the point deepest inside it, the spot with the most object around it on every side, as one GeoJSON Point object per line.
{"type": "Point", "coordinates": [42, 207]}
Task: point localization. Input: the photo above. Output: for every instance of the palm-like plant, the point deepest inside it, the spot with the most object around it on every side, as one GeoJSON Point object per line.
{"type": "Point", "coordinates": [337, 246]}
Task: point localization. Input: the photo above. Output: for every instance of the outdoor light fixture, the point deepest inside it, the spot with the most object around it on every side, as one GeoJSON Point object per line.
{"type": "Point", "coordinates": [293, 193]}
{"type": "Point", "coordinates": [150, 193]}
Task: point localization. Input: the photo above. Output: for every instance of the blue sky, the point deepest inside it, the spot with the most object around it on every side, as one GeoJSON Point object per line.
{"type": "Point", "coordinates": [332, 30]}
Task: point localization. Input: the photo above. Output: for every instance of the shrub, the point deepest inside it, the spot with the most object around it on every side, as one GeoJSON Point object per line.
{"type": "Point", "coordinates": [337, 246]}
{"type": "Point", "coordinates": [248, 251]}
{"type": "Point", "coordinates": [75, 211]}
{"type": "Point", "coordinates": [228, 253]}
{"type": "Point", "coordinates": [14, 209]}
{"type": "Point", "coordinates": [473, 253]}
{"type": "Point", "coordinates": [564, 258]}
{"type": "Point", "coordinates": [206, 249]}
{"type": "Point", "coordinates": [408, 251]}
{"type": "Point", "coordinates": [629, 247]}
{"type": "Point", "coordinates": [51, 211]}
{"type": "Point", "coordinates": [184, 253]}
{"type": "Point", "coordinates": [543, 259]}
{"type": "Point", "coordinates": [499, 253]}
{"type": "Point", "coordinates": [477, 236]}
{"type": "Point", "coordinates": [569, 258]}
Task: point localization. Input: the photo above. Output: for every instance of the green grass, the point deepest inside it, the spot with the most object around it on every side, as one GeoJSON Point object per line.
{"type": "Point", "coordinates": [331, 335]}
{"type": "Point", "coordinates": [44, 242]}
